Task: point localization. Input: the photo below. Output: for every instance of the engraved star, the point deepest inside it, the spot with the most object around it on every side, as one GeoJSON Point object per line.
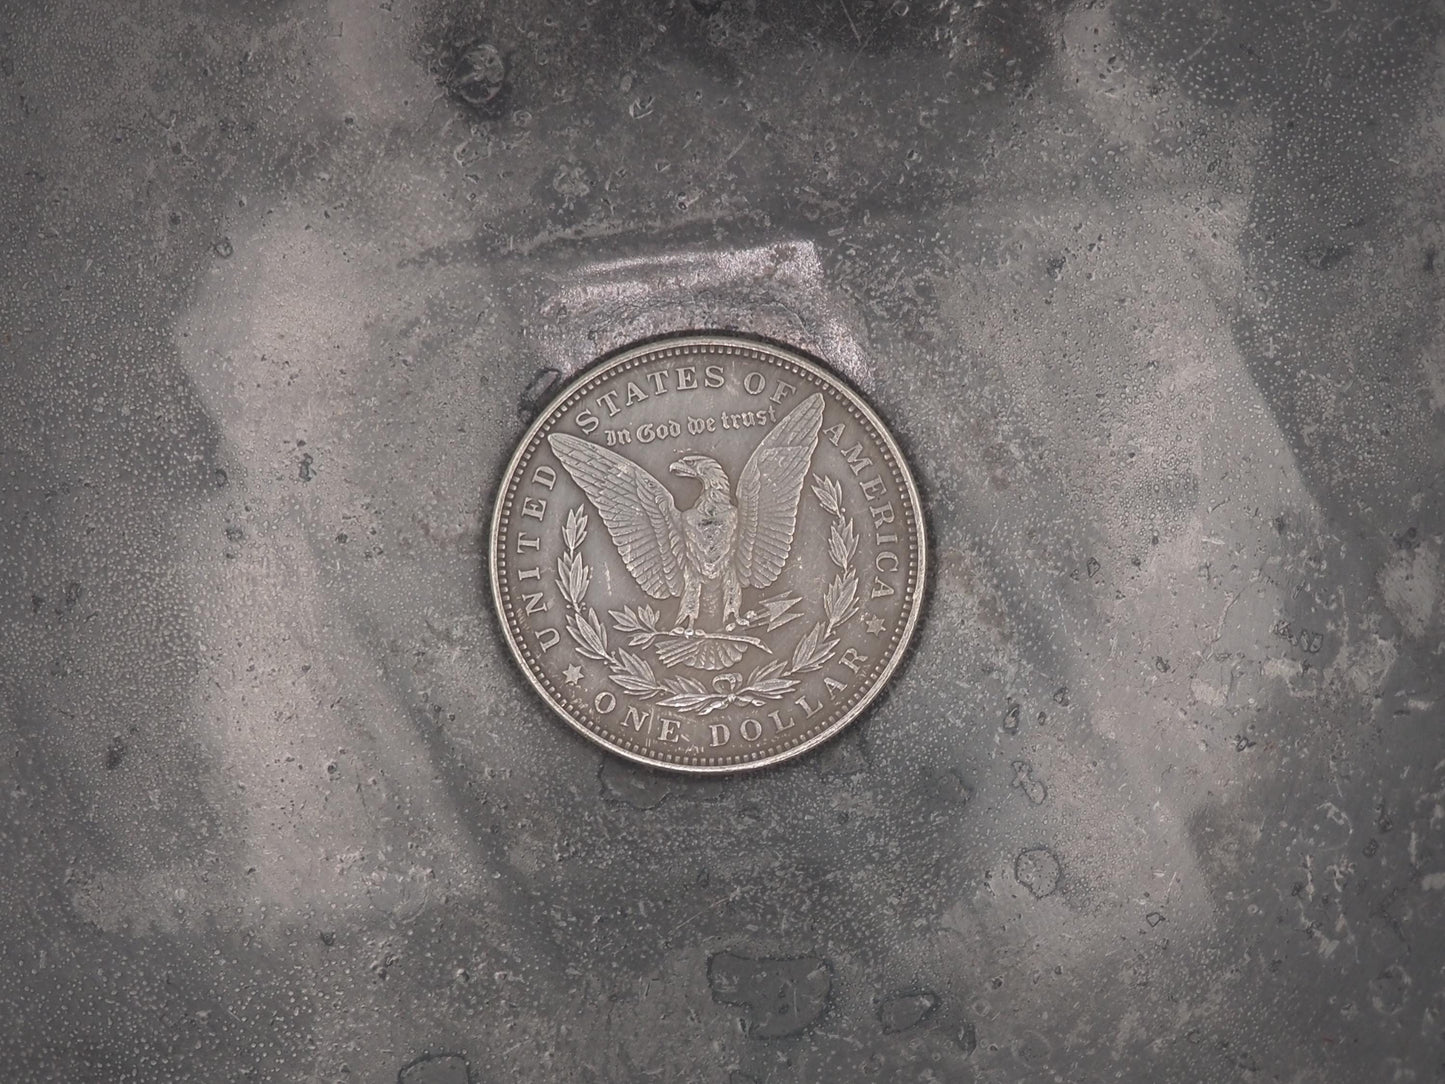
{"type": "Point", "coordinates": [873, 624]}
{"type": "Point", "coordinates": [573, 674]}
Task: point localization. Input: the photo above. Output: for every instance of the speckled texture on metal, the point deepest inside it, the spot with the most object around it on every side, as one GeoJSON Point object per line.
{"type": "Point", "coordinates": [1150, 293]}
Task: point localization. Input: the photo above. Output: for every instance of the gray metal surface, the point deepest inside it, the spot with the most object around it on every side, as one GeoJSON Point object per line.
{"type": "Point", "coordinates": [1149, 294]}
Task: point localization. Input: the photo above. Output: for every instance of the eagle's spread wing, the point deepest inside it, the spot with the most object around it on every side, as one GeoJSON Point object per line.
{"type": "Point", "coordinates": [768, 491]}
{"type": "Point", "coordinates": [644, 523]}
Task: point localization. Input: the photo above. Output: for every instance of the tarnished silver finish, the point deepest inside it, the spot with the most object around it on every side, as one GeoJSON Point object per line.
{"type": "Point", "coordinates": [708, 554]}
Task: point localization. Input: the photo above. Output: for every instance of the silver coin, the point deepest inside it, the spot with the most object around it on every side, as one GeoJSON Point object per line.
{"type": "Point", "coordinates": [708, 554]}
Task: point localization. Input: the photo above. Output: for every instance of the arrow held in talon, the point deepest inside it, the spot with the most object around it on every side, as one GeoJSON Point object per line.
{"type": "Point", "coordinates": [778, 610]}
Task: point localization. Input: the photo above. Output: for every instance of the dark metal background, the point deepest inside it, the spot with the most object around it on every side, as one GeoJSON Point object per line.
{"type": "Point", "coordinates": [1148, 291]}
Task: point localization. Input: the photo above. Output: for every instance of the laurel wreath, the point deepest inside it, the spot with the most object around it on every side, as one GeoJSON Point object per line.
{"type": "Point", "coordinates": [769, 682]}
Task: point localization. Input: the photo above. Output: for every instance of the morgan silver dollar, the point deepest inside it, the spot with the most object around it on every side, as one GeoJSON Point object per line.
{"type": "Point", "coordinates": [708, 554]}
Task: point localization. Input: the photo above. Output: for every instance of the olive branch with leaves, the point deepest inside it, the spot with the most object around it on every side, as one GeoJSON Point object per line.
{"type": "Point", "coordinates": [769, 682]}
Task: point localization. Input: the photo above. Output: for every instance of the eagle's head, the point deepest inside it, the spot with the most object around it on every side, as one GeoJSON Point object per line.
{"type": "Point", "coordinates": [707, 471]}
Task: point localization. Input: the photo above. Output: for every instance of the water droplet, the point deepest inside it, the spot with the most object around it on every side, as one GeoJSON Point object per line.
{"type": "Point", "coordinates": [478, 75]}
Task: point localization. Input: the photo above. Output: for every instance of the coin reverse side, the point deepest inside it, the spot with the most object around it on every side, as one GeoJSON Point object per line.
{"type": "Point", "coordinates": [708, 554]}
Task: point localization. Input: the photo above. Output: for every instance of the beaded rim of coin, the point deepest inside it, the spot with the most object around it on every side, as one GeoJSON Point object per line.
{"type": "Point", "coordinates": [632, 688]}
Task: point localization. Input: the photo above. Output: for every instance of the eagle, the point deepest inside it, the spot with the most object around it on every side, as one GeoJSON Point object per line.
{"type": "Point", "coordinates": [730, 539]}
